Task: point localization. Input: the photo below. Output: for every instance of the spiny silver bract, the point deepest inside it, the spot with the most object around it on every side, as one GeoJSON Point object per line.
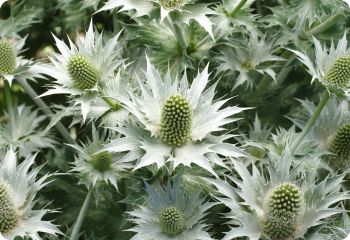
{"type": "Point", "coordinates": [176, 121]}
{"type": "Point", "coordinates": [9, 217]}
{"type": "Point", "coordinates": [171, 221]}
{"type": "Point", "coordinates": [102, 161]}
{"type": "Point", "coordinates": [339, 73]}
{"type": "Point", "coordinates": [172, 4]}
{"type": "Point", "coordinates": [7, 57]}
{"type": "Point", "coordinates": [284, 206]}
{"type": "Point", "coordinates": [84, 74]}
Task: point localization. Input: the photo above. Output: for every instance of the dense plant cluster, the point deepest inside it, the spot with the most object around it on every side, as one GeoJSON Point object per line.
{"type": "Point", "coordinates": [174, 119]}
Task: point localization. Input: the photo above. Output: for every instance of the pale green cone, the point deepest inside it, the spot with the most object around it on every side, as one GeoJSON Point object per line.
{"type": "Point", "coordinates": [84, 74]}
{"type": "Point", "coordinates": [7, 57]}
{"type": "Point", "coordinates": [176, 121]}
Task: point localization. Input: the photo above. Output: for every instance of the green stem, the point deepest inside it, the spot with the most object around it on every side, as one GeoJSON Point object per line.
{"type": "Point", "coordinates": [9, 104]}
{"type": "Point", "coordinates": [311, 122]}
{"type": "Point", "coordinates": [238, 8]}
{"type": "Point", "coordinates": [42, 105]}
{"type": "Point", "coordinates": [321, 27]}
{"type": "Point", "coordinates": [259, 7]}
{"type": "Point", "coordinates": [81, 217]}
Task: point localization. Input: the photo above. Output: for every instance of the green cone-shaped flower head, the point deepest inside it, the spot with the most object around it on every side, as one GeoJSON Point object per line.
{"type": "Point", "coordinates": [172, 4]}
{"type": "Point", "coordinates": [171, 221]}
{"type": "Point", "coordinates": [7, 57]}
{"type": "Point", "coordinates": [176, 121]}
{"type": "Point", "coordinates": [339, 73]}
{"type": "Point", "coordinates": [283, 208]}
{"type": "Point", "coordinates": [340, 147]}
{"type": "Point", "coordinates": [84, 74]}
{"type": "Point", "coordinates": [340, 144]}
{"type": "Point", "coordinates": [102, 161]}
{"type": "Point", "coordinates": [9, 217]}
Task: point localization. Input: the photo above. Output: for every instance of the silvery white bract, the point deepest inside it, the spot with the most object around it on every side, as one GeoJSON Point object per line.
{"type": "Point", "coordinates": [257, 138]}
{"type": "Point", "coordinates": [347, 2]}
{"type": "Point", "coordinates": [253, 187]}
{"type": "Point", "coordinates": [107, 107]}
{"type": "Point", "coordinates": [187, 11]}
{"type": "Point", "coordinates": [25, 133]}
{"type": "Point", "coordinates": [102, 57]}
{"type": "Point", "coordinates": [249, 59]}
{"type": "Point", "coordinates": [19, 188]}
{"type": "Point", "coordinates": [151, 143]}
{"type": "Point", "coordinates": [189, 206]}
{"type": "Point", "coordinates": [227, 18]}
{"type": "Point", "coordinates": [95, 166]}
{"type": "Point", "coordinates": [321, 62]}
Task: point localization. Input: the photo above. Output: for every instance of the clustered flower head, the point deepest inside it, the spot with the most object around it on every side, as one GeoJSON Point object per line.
{"type": "Point", "coordinates": [281, 205]}
{"type": "Point", "coordinates": [330, 66]}
{"type": "Point", "coordinates": [170, 212]}
{"type": "Point", "coordinates": [177, 123]}
{"type": "Point", "coordinates": [18, 188]}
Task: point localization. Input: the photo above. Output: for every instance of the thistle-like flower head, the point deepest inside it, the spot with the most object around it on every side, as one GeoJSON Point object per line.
{"type": "Point", "coordinates": [18, 187]}
{"type": "Point", "coordinates": [176, 122]}
{"type": "Point", "coordinates": [330, 66]}
{"type": "Point", "coordinates": [11, 63]}
{"type": "Point", "coordinates": [171, 212]}
{"type": "Point", "coordinates": [83, 70]}
{"type": "Point", "coordinates": [95, 165]}
{"type": "Point", "coordinates": [7, 57]}
{"type": "Point", "coordinates": [279, 203]}
{"type": "Point", "coordinates": [282, 211]}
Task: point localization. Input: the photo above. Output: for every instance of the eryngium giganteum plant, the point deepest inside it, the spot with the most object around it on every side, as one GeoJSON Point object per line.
{"type": "Point", "coordinates": [174, 119]}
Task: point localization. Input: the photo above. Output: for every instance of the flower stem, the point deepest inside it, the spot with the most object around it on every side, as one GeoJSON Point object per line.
{"type": "Point", "coordinates": [311, 122]}
{"type": "Point", "coordinates": [81, 217]}
{"type": "Point", "coordinates": [238, 8]}
{"type": "Point", "coordinates": [9, 105]}
{"type": "Point", "coordinates": [40, 103]}
{"type": "Point", "coordinates": [321, 27]}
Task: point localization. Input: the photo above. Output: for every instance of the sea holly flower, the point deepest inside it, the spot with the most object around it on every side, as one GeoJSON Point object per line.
{"type": "Point", "coordinates": [171, 213]}
{"type": "Point", "coordinates": [184, 10]}
{"type": "Point", "coordinates": [175, 123]}
{"type": "Point", "coordinates": [330, 132]}
{"type": "Point", "coordinates": [18, 188]}
{"type": "Point", "coordinates": [25, 133]}
{"type": "Point", "coordinates": [279, 203]}
{"type": "Point", "coordinates": [94, 165]}
{"type": "Point", "coordinates": [12, 65]}
{"type": "Point", "coordinates": [82, 70]}
{"type": "Point", "coordinates": [329, 66]}
{"type": "Point", "coordinates": [251, 59]}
